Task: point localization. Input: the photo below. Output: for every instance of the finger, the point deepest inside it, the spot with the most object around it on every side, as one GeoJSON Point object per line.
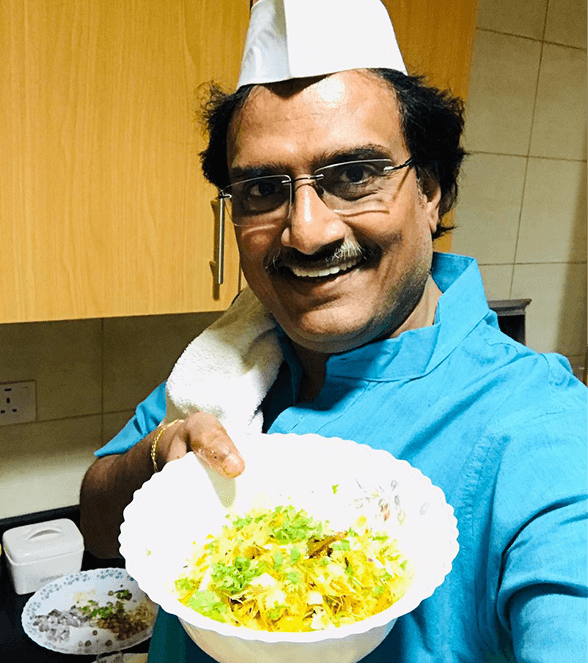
{"type": "Point", "coordinates": [211, 442]}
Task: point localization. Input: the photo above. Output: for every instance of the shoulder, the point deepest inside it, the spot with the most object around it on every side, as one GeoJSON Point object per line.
{"type": "Point", "coordinates": [521, 379]}
{"type": "Point", "coordinates": [540, 409]}
{"type": "Point", "coordinates": [531, 417]}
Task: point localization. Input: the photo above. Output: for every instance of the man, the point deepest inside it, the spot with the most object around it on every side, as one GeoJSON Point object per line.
{"type": "Point", "coordinates": [337, 184]}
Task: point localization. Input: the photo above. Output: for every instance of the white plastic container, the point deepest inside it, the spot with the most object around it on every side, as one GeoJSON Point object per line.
{"type": "Point", "coordinates": [37, 554]}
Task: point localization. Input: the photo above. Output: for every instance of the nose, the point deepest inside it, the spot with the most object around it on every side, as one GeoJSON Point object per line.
{"type": "Point", "coordinates": [311, 224]}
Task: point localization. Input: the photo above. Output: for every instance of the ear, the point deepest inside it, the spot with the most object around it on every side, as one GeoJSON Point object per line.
{"type": "Point", "coordinates": [431, 198]}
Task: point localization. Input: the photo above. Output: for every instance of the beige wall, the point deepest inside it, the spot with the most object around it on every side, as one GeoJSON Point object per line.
{"type": "Point", "coordinates": [89, 376]}
{"type": "Point", "coordinates": [522, 211]}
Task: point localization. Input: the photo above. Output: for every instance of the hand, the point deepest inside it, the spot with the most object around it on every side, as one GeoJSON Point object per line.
{"type": "Point", "coordinates": [204, 435]}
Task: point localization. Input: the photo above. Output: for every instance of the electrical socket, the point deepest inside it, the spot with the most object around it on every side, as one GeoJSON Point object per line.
{"type": "Point", "coordinates": [17, 402]}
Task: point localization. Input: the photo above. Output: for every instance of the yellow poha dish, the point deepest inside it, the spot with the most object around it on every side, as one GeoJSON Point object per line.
{"type": "Point", "coordinates": [280, 570]}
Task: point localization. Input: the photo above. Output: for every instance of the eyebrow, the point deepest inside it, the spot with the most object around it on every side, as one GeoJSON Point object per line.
{"type": "Point", "coordinates": [240, 173]}
{"type": "Point", "coordinates": [369, 151]}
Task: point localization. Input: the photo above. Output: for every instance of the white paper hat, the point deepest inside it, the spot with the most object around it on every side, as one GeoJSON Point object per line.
{"type": "Point", "coordinates": [301, 38]}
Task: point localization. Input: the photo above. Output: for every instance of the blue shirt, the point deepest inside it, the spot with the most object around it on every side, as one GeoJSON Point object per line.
{"type": "Point", "coordinates": [502, 431]}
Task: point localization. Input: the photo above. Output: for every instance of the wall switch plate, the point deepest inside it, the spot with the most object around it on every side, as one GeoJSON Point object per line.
{"type": "Point", "coordinates": [17, 402]}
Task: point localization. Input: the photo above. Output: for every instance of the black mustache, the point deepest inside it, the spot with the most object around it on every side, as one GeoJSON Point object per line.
{"type": "Point", "coordinates": [323, 259]}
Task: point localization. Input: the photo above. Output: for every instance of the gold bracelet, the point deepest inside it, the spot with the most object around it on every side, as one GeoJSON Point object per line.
{"type": "Point", "coordinates": [156, 441]}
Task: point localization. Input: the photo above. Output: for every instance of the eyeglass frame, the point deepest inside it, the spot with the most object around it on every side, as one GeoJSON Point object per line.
{"type": "Point", "coordinates": [316, 176]}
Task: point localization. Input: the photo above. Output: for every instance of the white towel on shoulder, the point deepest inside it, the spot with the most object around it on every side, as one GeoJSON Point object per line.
{"type": "Point", "coordinates": [228, 369]}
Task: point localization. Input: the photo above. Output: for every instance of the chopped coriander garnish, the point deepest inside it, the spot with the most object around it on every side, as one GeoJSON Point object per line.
{"type": "Point", "coordinates": [281, 570]}
{"type": "Point", "coordinates": [233, 578]}
{"type": "Point", "coordinates": [278, 559]}
{"type": "Point", "coordinates": [239, 523]}
{"type": "Point", "coordinates": [276, 612]}
{"type": "Point", "coordinates": [208, 603]}
{"type": "Point", "coordinates": [293, 526]}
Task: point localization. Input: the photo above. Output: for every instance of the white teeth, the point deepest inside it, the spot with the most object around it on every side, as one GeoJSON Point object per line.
{"type": "Point", "coordinates": [329, 271]}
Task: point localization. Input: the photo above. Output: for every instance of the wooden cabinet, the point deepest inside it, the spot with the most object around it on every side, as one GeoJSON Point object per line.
{"type": "Point", "coordinates": [436, 39]}
{"type": "Point", "coordinates": [103, 210]}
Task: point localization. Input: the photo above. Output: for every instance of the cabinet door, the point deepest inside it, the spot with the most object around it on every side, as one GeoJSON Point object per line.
{"type": "Point", "coordinates": [436, 38]}
{"type": "Point", "coordinates": [103, 210]}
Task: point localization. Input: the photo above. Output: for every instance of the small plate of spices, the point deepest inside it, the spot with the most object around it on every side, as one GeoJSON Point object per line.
{"type": "Point", "coordinates": [91, 612]}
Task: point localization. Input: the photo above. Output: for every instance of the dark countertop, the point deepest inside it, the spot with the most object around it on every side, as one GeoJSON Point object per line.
{"type": "Point", "coordinates": [15, 645]}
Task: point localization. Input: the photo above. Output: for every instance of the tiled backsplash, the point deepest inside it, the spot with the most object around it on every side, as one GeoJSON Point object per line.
{"type": "Point", "coordinates": [89, 374]}
{"type": "Point", "coordinates": [522, 206]}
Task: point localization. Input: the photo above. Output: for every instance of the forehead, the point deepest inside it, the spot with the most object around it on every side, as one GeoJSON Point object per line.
{"type": "Point", "coordinates": [297, 125]}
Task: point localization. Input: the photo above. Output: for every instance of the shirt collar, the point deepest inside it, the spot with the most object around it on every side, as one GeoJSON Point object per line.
{"type": "Point", "coordinates": [415, 352]}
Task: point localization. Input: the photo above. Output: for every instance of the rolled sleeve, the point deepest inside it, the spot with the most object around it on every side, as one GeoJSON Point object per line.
{"type": "Point", "coordinates": [148, 415]}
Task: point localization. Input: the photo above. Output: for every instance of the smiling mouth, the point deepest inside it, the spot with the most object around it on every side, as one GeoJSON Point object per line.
{"type": "Point", "coordinates": [321, 272]}
{"type": "Point", "coordinates": [323, 266]}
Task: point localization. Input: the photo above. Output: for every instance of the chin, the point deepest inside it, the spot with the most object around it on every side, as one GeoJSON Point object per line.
{"type": "Point", "coordinates": [334, 340]}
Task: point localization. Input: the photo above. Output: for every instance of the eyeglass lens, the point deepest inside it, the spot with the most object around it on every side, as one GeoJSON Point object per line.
{"type": "Point", "coordinates": [347, 188]}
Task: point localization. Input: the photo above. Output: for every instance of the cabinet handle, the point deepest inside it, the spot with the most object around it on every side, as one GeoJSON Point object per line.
{"type": "Point", "coordinates": [220, 258]}
{"type": "Point", "coordinates": [218, 265]}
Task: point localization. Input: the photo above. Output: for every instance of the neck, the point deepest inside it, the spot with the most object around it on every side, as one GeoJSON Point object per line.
{"type": "Point", "coordinates": [423, 314]}
{"type": "Point", "coordinates": [314, 363]}
{"type": "Point", "coordinates": [314, 366]}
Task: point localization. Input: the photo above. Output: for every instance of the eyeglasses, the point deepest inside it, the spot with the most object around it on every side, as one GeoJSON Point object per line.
{"type": "Point", "coordinates": [349, 188]}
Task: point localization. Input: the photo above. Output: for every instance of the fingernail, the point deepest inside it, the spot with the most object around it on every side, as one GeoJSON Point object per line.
{"type": "Point", "coordinates": [232, 465]}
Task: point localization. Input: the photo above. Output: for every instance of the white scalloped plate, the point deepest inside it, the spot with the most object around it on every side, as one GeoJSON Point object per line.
{"type": "Point", "coordinates": [61, 595]}
{"type": "Point", "coordinates": [187, 501]}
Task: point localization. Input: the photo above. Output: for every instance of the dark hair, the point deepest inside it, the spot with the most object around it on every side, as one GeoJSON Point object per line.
{"type": "Point", "coordinates": [218, 109]}
{"type": "Point", "coordinates": [432, 122]}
